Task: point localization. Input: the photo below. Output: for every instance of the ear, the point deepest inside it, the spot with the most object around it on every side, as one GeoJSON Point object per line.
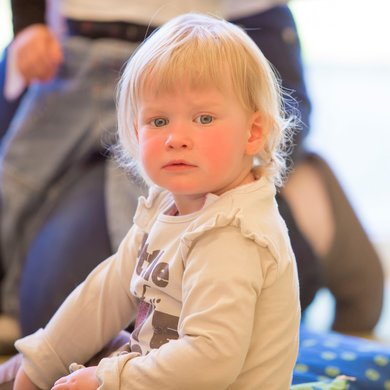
{"type": "Point", "coordinates": [256, 135]}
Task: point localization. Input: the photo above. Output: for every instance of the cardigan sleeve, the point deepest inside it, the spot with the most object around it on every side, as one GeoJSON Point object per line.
{"type": "Point", "coordinates": [25, 13]}
{"type": "Point", "coordinates": [94, 313]}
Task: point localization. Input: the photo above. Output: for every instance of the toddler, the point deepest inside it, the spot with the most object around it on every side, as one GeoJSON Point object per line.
{"type": "Point", "coordinates": [206, 272]}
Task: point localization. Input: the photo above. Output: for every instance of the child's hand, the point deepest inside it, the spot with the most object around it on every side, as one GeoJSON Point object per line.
{"type": "Point", "coordinates": [83, 379]}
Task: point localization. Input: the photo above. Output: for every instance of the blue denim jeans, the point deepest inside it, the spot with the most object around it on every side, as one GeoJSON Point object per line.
{"type": "Point", "coordinates": [7, 108]}
{"type": "Point", "coordinates": [57, 127]}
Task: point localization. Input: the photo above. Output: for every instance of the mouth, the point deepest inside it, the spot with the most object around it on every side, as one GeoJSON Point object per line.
{"type": "Point", "coordinates": [178, 164]}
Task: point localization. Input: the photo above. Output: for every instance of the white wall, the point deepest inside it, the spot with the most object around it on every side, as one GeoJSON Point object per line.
{"type": "Point", "coordinates": [347, 57]}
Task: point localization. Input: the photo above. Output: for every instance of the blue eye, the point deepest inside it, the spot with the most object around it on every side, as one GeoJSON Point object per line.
{"type": "Point", "coordinates": [159, 122]}
{"type": "Point", "coordinates": [204, 119]}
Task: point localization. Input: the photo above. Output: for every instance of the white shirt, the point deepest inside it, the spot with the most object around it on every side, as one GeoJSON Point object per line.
{"type": "Point", "coordinates": [218, 298]}
{"type": "Point", "coordinates": [156, 12]}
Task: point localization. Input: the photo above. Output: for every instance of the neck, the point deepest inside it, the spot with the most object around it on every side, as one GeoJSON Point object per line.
{"type": "Point", "coordinates": [187, 204]}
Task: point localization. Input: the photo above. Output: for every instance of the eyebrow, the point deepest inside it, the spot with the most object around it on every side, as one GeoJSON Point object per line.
{"type": "Point", "coordinates": [197, 104]}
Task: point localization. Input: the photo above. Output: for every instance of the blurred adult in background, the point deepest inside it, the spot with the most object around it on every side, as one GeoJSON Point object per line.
{"type": "Point", "coordinates": [59, 190]}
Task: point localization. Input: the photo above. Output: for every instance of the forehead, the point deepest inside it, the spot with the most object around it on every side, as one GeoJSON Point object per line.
{"type": "Point", "coordinates": [191, 75]}
{"type": "Point", "coordinates": [187, 91]}
{"type": "Point", "coordinates": [185, 85]}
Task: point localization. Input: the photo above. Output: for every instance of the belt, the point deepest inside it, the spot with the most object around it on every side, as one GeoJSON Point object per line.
{"type": "Point", "coordinates": [130, 32]}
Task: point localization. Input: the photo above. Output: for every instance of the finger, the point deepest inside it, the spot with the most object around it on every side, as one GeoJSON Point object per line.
{"type": "Point", "coordinates": [55, 50]}
{"type": "Point", "coordinates": [32, 64]}
{"type": "Point", "coordinates": [48, 57]}
{"type": "Point", "coordinates": [61, 380]}
{"type": "Point", "coordinates": [36, 71]}
{"type": "Point", "coordinates": [61, 386]}
{"type": "Point", "coordinates": [35, 67]}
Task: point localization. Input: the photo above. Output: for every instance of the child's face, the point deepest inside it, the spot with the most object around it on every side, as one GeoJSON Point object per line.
{"type": "Point", "coordinates": [194, 142]}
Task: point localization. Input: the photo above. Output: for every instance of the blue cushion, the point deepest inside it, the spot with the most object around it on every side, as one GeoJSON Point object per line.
{"type": "Point", "coordinates": [337, 384]}
{"type": "Point", "coordinates": [325, 356]}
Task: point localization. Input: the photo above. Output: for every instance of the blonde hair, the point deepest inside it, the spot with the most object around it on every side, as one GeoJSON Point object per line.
{"type": "Point", "coordinates": [203, 49]}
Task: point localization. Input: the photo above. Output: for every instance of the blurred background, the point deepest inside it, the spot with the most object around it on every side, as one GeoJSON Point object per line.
{"type": "Point", "coordinates": [347, 56]}
{"type": "Point", "coordinates": [347, 59]}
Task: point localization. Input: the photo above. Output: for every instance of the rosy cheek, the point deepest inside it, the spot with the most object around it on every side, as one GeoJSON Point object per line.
{"type": "Point", "coordinates": [216, 149]}
{"type": "Point", "coordinates": [149, 148]}
{"type": "Point", "coordinates": [215, 155]}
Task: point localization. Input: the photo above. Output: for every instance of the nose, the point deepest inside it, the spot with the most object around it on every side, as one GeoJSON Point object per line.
{"type": "Point", "coordinates": [178, 139]}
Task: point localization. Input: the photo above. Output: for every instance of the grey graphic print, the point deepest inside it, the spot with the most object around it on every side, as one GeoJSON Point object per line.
{"type": "Point", "coordinates": [155, 273]}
